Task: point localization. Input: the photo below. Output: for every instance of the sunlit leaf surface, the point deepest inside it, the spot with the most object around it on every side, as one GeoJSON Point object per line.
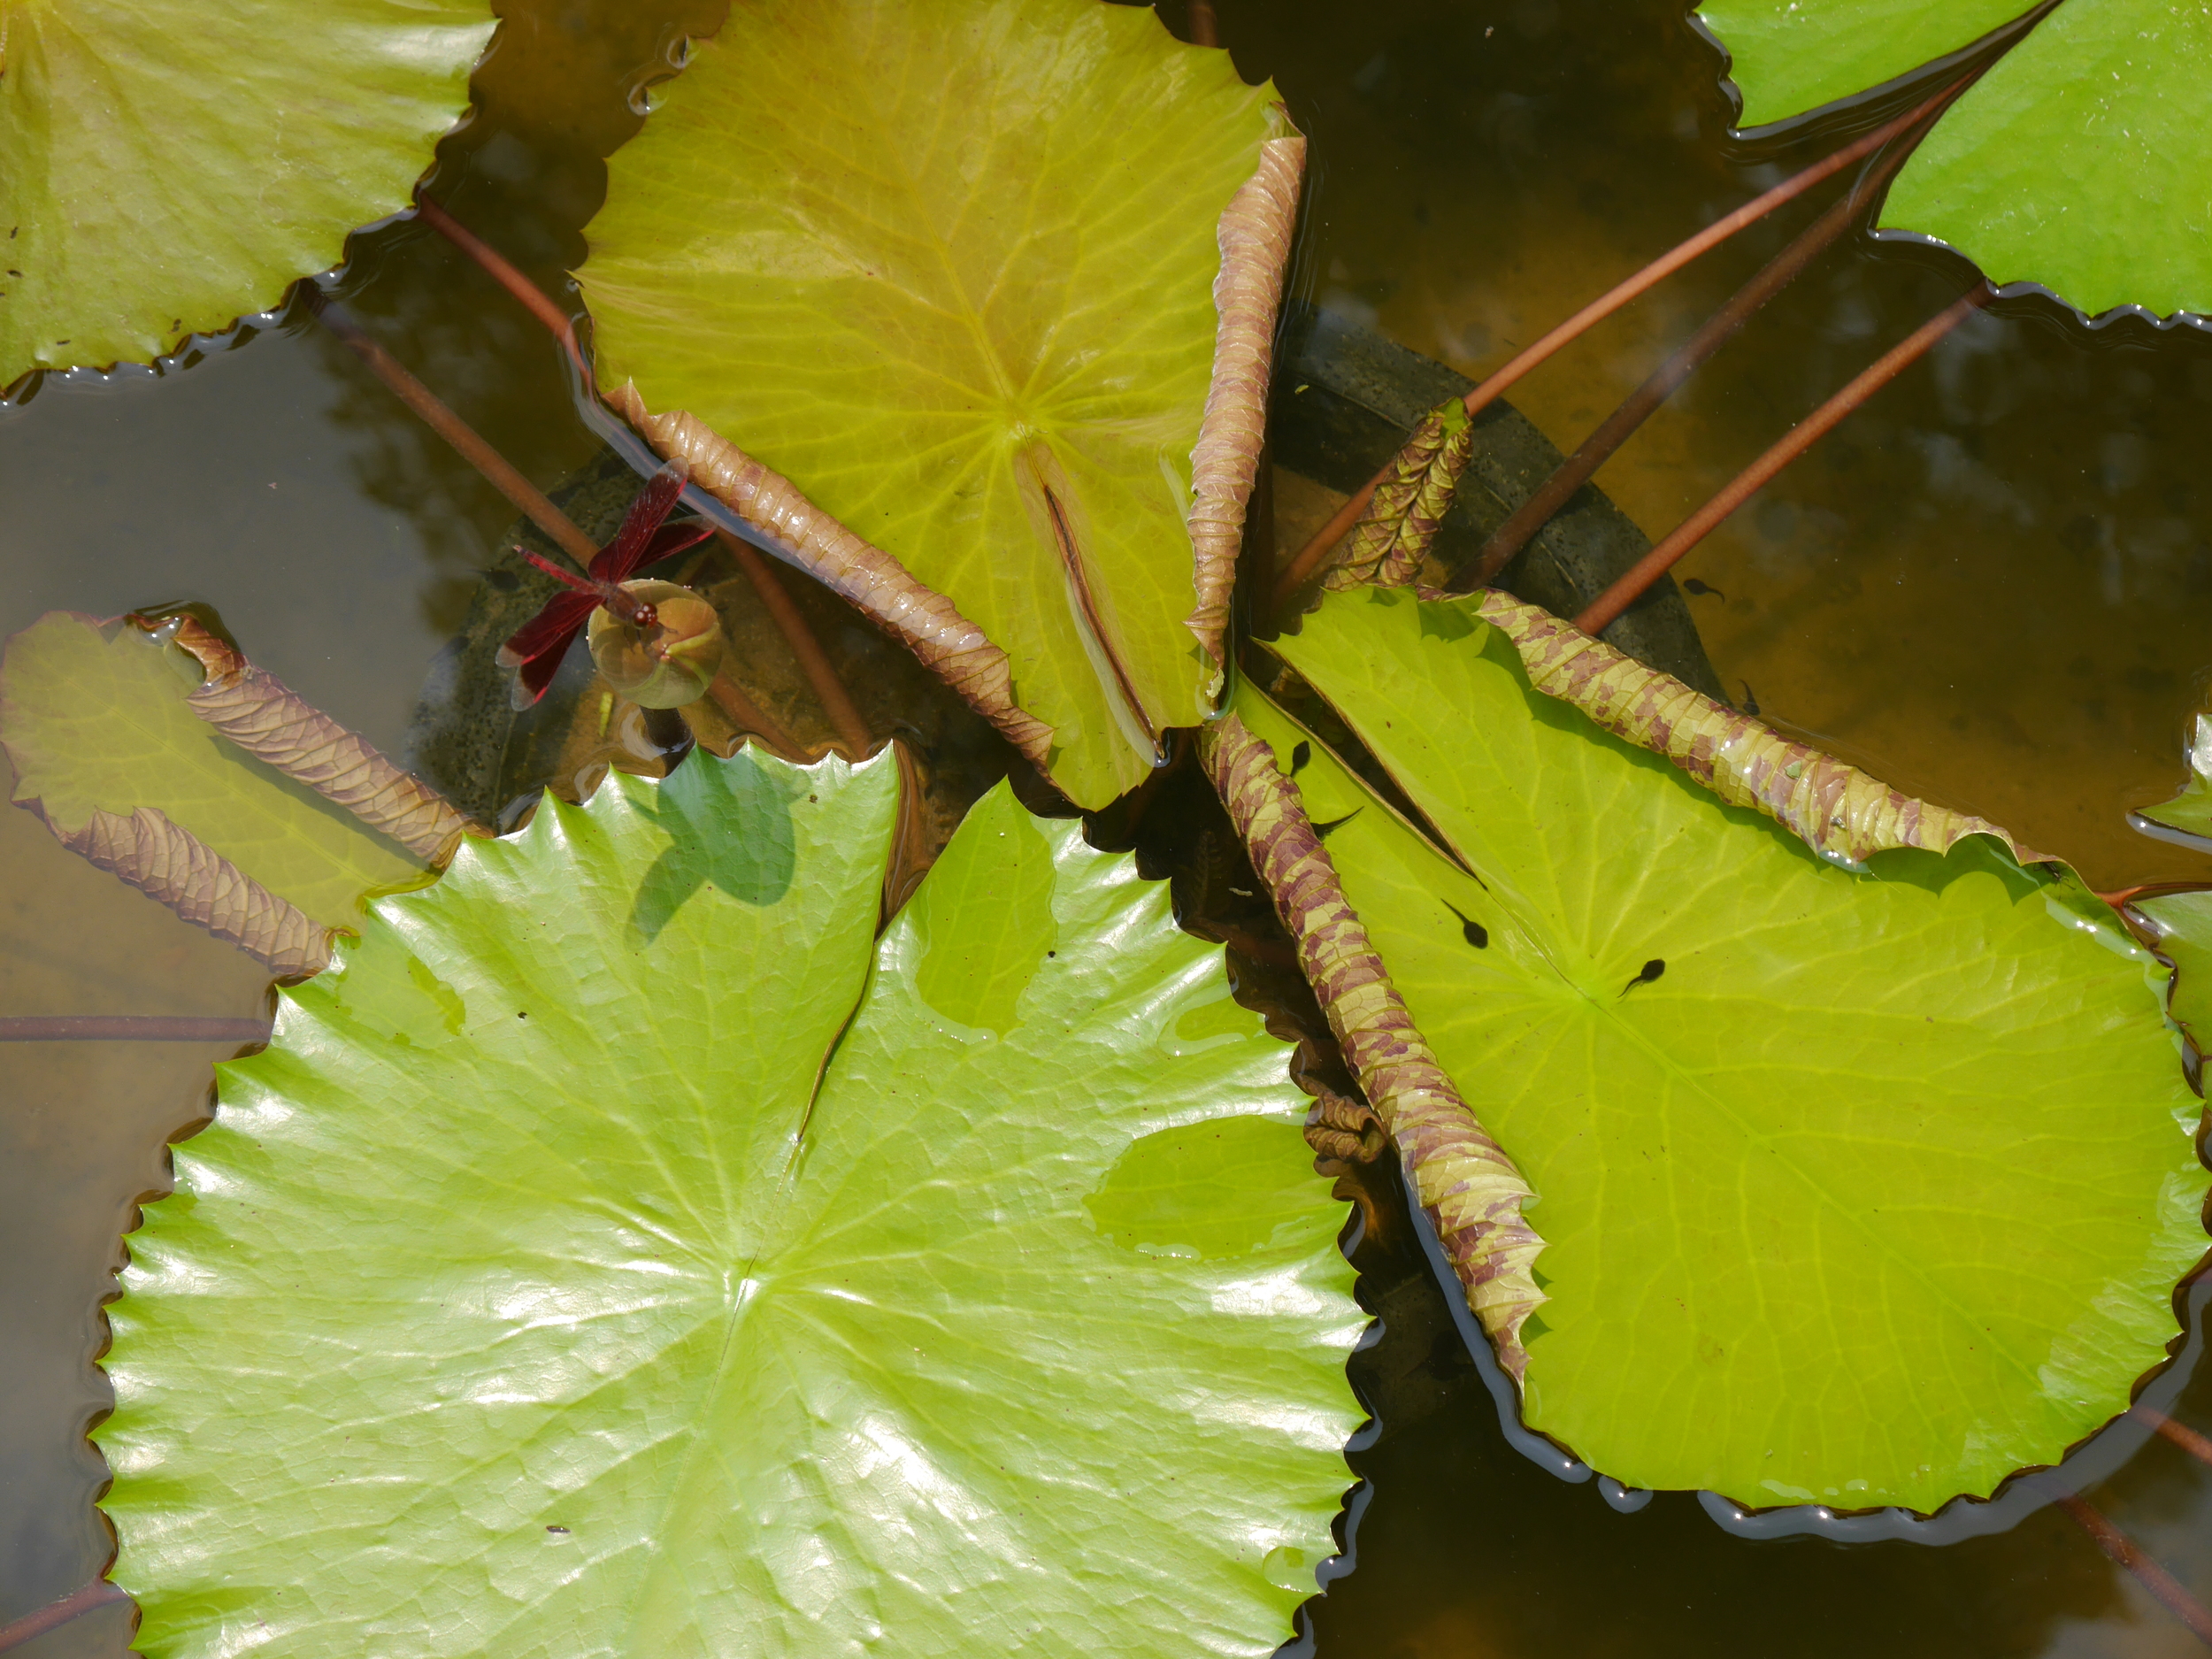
{"type": "Point", "coordinates": [620, 1250]}
{"type": "Point", "coordinates": [2082, 161]}
{"type": "Point", "coordinates": [1862, 1188]}
{"type": "Point", "coordinates": [96, 720]}
{"type": "Point", "coordinates": [165, 167]}
{"type": "Point", "coordinates": [934, 261]}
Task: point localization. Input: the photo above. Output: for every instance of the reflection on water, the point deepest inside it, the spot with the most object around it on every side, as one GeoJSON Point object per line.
{"type": "Point", "coordinates": [1989, 587]}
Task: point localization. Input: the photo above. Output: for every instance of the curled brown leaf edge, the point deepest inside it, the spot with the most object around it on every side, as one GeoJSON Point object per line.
{"type": "Point", "coordinates": [1464, 1180]}
{"type": "Point", "coordinates": [1839, 811]}
{"type": "Point", "coordinates": [1254, 234]}
{"type": "Point", "coordinates": [171, 865]}
{"type": "Point", "coordinates": [1472, 1193]}
{"type": "Point", "coordinates": [265, 718]}
{"type": "Point", "coordinates": [873, 582]}
{"type": "Point", "coordinates": [261, 715]}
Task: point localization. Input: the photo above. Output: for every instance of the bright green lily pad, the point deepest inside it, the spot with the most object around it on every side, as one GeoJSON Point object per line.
{"type": "Point", "coordinates": [1860, 1188]}
{"type": "Point", "coordinates": [165, 167]}
{"type": "Point", "coordinates": [2081, 161]}
{"type": "Point", "coordinates": [929, 259]}
{"type": "Point", "coordinates": [95, 719]}
{"type": "Point", "coordinates": [620, 1250]}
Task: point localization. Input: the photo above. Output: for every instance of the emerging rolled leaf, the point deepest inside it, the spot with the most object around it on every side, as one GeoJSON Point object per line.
{"type": "Point", "coordinates": [2081, 161]}
{"type": "Point", "coordinates": [166, 166]}
{"type": "Point", "coordinates": [1860, 1185]}
{"type": "Point", "coordinates": [1395, 534]}
{"type": "Point", "coordinates": [1474, 1196]}
{"type": "Point", "coordinates": [926, 622]}
{"type": "Point", "coordinates": [951, 267]}
{"type": "Point", "coordinates": [621, 1250]}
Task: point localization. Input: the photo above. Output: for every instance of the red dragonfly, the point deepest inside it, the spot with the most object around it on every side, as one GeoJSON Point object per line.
{"type": "Point", "coordinates": [539, 645]}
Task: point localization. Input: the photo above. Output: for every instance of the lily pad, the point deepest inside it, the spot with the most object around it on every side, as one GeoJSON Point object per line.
{"type": "Point", "coordinates": [1860, 1185]}
{"type": "Point", "coordinates": [100, 726]}
{"type": "Point", "coordinates": [2080, 161]}
{"type": "Point", "coordinates": [165, 167]}
{"type": "Point", "coordinates": [948, 266]}
{"type": "Point", "coordinates": [620, 1250]}
{"type": "Point", "coordinates": [2183, 922]}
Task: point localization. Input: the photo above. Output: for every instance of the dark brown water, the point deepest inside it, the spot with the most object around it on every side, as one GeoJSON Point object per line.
{"type": "Point", "coordinates": [1991, 587]}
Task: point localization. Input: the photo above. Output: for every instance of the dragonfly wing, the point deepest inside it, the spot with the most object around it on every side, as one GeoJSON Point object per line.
{"type": "Point", "coordinates": [622, 555]}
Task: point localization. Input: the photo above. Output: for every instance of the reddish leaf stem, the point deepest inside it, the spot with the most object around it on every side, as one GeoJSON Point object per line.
{"type": "Point", "coordinates": [129, 1028]}
{"type": "Point", "coordinates": [2148, 1573]}
{"type": "Point", "coordinates": [2121, 897]}
{"type": "Point", "coordinates": [562, 325]}
{"type": "Point", "coordinates": [1308, 563]}
{"type": "Point", "coordinates": [813, 660]}
{"type": "Point", "coordinates": [99, 1594]}
{"type": "Point", "coordinates": [1776, 274]}
{"type": "Point", "coordinates": [2196, 1445]}
{"type": "Point", "coordinates": [1629, 587]}
{"type": "Point", "coordinates": [497, 471]}
{"type": "Point", "coordinates": [730, 697]}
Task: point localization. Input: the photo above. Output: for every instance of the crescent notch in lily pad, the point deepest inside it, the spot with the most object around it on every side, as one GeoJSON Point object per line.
{"type": "Point", "coordinates": [2080, 162]}
{"type": "Point", "coordinates": [1862, 1180]}
{"type": "Point", "coordinates": [968, 304]}
{"type": "Point", "coordinates": [166, 167]}
{"type": "Point", "coordinates": [620, 1249]}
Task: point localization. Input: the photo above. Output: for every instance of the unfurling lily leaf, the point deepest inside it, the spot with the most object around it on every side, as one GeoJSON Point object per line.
{"type": "Point", "coordinates": [1855, 1184]}
{"type": "Point", "coordinates": [206, 784]}
{"type": "Point", "coordinates": [165, 167]}
{"type": "Point", "coordinates": [967, 303]}
{"type": "Point", "coordinates": [2081, 161]}
{"type": "Point", "coordinates": [1396, 531]}
{"type": "Point", "coordinates": [620, 1250]}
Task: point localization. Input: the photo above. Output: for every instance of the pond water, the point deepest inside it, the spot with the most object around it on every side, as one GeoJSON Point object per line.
{"type": "Point", "coordinates": [1990, 587]}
